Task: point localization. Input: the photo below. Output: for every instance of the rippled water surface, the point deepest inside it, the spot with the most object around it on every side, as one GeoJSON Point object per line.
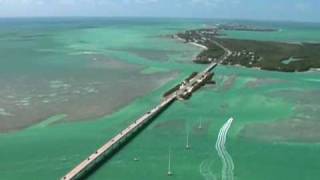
{"type": "Point", "coordinates": [67, 86]}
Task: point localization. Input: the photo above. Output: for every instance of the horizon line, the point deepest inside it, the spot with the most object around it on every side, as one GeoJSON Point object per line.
{"type": "Point", "coordinates": [163, 17]}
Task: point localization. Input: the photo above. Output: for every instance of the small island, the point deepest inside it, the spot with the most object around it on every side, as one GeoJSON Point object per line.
{"type": "Point", "coordinates": [266, 55]}
{"type": "Point", "coordinates": [242, 27]}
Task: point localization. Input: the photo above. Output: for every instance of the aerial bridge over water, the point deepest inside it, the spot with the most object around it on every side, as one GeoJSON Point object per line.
{"type": "Point", "coordinates": [182, 91]}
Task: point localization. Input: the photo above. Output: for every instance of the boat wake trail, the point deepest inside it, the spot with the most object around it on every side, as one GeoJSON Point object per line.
{"type": "Point", "coordinates": [227, 162]}
{"type": "Point", "coordinates": [205, 170]}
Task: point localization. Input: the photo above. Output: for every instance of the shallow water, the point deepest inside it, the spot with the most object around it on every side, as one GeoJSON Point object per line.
{"type": "Point", "coordinates": [267, 140]}
{"type": "Point", "coordinates": [79, 71]}
{"type": "Point", "coordinates": [293, 32]}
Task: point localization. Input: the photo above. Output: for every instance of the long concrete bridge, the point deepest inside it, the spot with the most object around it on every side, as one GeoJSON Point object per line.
{"type": "Point", "coordinates": [79, 169]}
{"type": "Point", "coordinates": [186, 89]}
{"type": "Point", "coordinates": [139, 123]}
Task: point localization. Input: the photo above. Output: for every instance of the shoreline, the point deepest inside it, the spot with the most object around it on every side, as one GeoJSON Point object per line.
{"type": "Point", "coordinates": [199, 45]}
{"type": "Point", "coordinates": [314, 70]}
{"type": "Point", "coordinates": [192, 43]}
{"type": "Point", "coordinates": [239, 65]}
{"type": "Point", "coordinates": [250, 53]}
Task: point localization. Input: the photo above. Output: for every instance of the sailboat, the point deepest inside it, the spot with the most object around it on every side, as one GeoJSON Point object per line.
{"type": "Point", "coordinates": [200, 124]}
{"type": "Point", "coordinates": [188, 144]}
{"type": "Point", "coordinates": [170, 173]}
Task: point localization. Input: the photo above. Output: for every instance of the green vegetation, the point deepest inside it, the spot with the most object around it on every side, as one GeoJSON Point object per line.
{"type": "Point", "coordinates": [213, 52]}
{"type": "Point", "coordinates": [242, 27]}
{"type": "Point", "coordinates": [275, 56]}
{"type": "Point", "coordinates": [270, 55]}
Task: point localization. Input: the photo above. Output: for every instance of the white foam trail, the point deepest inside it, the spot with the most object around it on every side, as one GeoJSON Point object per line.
{"type": "Point", "coordinates": [227, 162]}
{"type": "Point", "coordinates": [205, 170]}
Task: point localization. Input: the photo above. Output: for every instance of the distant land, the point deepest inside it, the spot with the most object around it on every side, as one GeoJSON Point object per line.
{"type": "Point", "coordinates": [266, 55]}
{"type": "Point", "coordinates": [242, 27]}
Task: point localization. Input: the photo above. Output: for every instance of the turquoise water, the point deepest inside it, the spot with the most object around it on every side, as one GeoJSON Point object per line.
{"type": "Point", "coordinates": [275, 134]}
{"type": "Point", "coordinates": [66, 67]}
{"type": "Point", "coordinates": [287, 32]}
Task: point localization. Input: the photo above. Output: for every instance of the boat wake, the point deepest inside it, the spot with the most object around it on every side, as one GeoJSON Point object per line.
{"type": "Point", "coordinates": [205, 170]}
{"type": "Point", "coordinates": [226, 159]}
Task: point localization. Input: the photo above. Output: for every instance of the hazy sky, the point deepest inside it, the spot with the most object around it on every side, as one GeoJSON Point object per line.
{"type": "Point", "coordinates": [296, 10]}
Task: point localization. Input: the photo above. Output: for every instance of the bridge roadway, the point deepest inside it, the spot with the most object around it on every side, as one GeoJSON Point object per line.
{"type": "Point", "coordinates": [79, 169]}
{"type": "Point", "coordinates": [116, 139]}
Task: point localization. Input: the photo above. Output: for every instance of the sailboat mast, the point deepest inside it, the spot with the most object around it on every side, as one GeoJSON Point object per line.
{"type": "Point", "coordinates": [187, 145]}
{"type": "Point", "coordinates": [200, 124]}
{"type": "Point", "coordinates": [169, 164]}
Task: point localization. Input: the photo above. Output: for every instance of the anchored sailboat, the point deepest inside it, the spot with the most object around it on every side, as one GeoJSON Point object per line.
{"type": "Point", "coordinates": [200, 124]}
{"type": "Point", "coordinates": [170, 173]}
{"type": "Point", "coordinates": [188, 144]}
